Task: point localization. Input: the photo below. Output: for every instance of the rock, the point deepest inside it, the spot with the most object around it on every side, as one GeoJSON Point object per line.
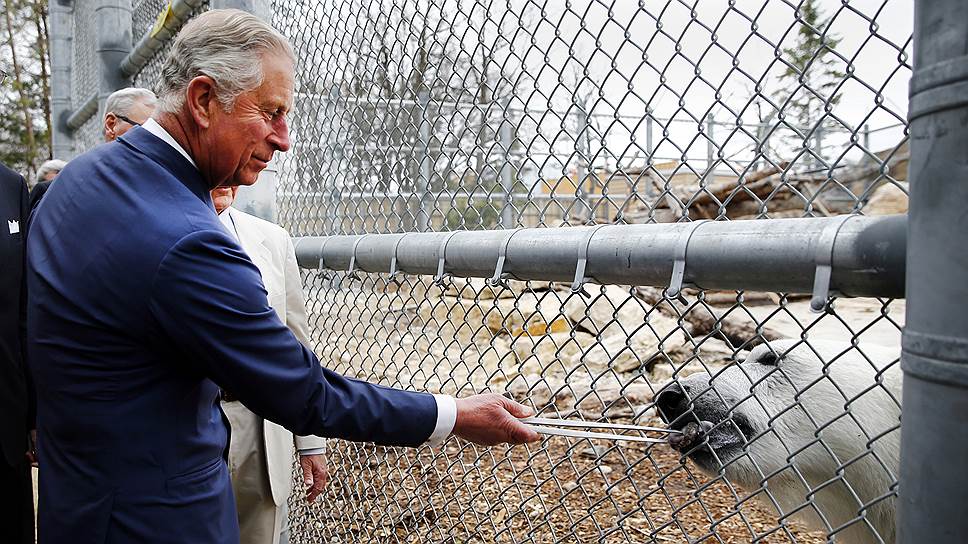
{"type": "Point", "coordinates": [479, 320]}
{"type": "Point", "coordinates": [612, 399]}
{"type": "Point", "coordinates": [709, 357]}
{"type": "Point", "coordinates": [533, 390]}
{"type": "Point", "coordinates": [889, 198]}
{"type": "Point", "coordinates": [484, 362]}
{"type": "Point", "coordinates": [550, 354]}
{"type": "Point", "coordinates": [531, 313]}
{"type": "Point", "coordinates": [625, 354]}
{"type": "Point", "coordinates": [610, 307]}
{"type": "Point", "coordinates": [594, 452]}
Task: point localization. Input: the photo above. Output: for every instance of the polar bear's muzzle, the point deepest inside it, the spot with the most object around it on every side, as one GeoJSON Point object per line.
{"type": "Point", "coordinates": [711, 434]}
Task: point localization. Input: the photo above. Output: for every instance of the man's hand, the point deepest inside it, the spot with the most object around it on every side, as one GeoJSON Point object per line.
{"type": "Point", "coordinates": [492, 419]}
{"type": "Point", "coordinates": [315, 474]}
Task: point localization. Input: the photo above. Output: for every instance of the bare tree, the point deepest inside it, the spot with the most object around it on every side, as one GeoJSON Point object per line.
{"type": "Point", "coordinates": [19, 84]}
{"type": "Point", "coordinates": [43, 39]}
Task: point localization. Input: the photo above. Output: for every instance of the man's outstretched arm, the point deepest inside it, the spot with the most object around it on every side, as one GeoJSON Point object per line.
{"type": "Point", "coordinates": [228, 332]}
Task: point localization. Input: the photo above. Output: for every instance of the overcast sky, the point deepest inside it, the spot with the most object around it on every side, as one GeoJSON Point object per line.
{"type": "Point", "coordinates": [627, 49]}
{"type": "Point", "coordinates": [566, 38]}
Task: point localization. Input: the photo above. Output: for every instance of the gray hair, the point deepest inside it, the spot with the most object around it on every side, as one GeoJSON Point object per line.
{"type": "Point", "coordinates": [225, 45]}
{"type": "Point", "coordinates": [53, 165]}
{"type": "Point", "coordinates": [122, 101]}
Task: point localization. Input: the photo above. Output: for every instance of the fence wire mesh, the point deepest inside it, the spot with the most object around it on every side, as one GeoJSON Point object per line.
{"type": "Point", "coordinates": [143, 15]}
{"type": "Point", "coordinates": [470, 114]}
{"type": "Point", "coordinates": [84, 65]}
{"type": "Point", "coordinates": [467, 115]}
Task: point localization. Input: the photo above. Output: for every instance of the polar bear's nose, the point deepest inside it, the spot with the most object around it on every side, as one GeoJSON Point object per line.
{"type": "Point", "coordinates": [672, 403]}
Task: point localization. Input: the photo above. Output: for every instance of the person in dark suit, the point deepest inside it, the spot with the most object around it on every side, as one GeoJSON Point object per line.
{"type": "Point", "coordinates": [142, 306]}
{"type": "Point", "coordinates": [45, 176]}
{"type": "Point", "coordinates": [17, 512]}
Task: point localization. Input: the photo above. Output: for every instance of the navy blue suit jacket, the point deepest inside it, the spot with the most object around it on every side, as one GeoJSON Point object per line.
{"type": "Point", "coordinates": [140, 306]}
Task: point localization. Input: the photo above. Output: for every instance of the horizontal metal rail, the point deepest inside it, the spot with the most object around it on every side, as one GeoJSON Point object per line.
{"type": "Point", "coordinates": [164, 30]}
{"type": "Point", "coordinates": [846, 255]}
{"type": "Point", "coordinates": [82, 114]}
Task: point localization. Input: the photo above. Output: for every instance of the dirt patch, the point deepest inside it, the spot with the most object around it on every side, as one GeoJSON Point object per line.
{"type": "Point", "coordinates": [557, 491]}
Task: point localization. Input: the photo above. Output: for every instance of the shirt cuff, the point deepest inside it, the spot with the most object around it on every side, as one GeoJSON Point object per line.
{"type": "Point", "coordinates": [446, 418]}
{"type": "Point", "coordinates": [312, 451]}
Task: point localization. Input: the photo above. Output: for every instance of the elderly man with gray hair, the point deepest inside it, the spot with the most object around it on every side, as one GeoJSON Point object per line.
{"type": "Point", "coordinates": [143, 308]}
{"type": "Point", "coordinates": [45, 176]}
{"type": "Point", "coordinates": [126, 109]}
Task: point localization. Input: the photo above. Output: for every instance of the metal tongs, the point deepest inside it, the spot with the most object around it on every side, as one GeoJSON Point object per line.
{"type": "Point", "coordinates": [550, 426]}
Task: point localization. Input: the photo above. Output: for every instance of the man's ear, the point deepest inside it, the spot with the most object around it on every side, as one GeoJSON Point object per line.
{"type": "Point", "coordinates": [110, 121]}
{"type": "Point", "coordinates": [201, 101]}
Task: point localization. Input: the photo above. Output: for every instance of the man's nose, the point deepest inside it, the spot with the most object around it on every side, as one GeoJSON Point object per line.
{"type": "Point", "coordinates": [672, 403]}
{"type": "Point", "coordinates": [279, 137]}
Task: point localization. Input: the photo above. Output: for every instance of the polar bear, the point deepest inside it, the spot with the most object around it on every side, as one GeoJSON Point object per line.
{"type": "Point", "coordinates": [812, 428]}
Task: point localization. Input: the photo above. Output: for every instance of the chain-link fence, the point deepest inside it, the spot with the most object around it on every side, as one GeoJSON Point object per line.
{"type": "Point", "coordinates": [452, 115]}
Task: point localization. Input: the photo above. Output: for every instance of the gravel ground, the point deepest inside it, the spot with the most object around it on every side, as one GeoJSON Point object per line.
{"type": "Point", "coordinates": [558, 491]}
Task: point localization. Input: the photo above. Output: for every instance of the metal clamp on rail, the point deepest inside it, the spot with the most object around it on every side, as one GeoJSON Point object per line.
{"type": "Point", "coordinates": [679, 264]}
{"type": "Point", "coordinates": [442, 254]}
{"type": "Point", "coordinates": [578, 286]}
{"type": "Point", "coordinates": [351, 270]}
{"type": "Point", "coordinates": [393, 259]}
{"type": "Point", "coordinates": [824, 260]}
{"type": "Point", "coordinates": [322, 264]}
{"type": "Point", "coordinates": [498, 279]}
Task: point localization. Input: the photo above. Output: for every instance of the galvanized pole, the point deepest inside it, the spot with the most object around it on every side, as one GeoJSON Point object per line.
{"type": "Point", "coordinates": [863, 256]}
{"type": "Point", "coordinates": [648, 136]}
{"type": "Point", "coordinates": [934, 435]}
{"type": "Point", "coordinates": [507, 173]}
{"type": "Point", "coordinates": [710, 145]}
{"type": "Point", "coordinates": [420, 211]}
{"type": "Point", "coordinates": [583, 149]}
{"type": "Point", "coordinates": [113, 20]}
{"type": "Point", "coordinates": [332, 224]}
{"type": "Point", "coordinates": [60, 78]}
{"type": "Point", "coordinates": [649, 152]}
{"type": "Point", "coordinates": [818, 146]}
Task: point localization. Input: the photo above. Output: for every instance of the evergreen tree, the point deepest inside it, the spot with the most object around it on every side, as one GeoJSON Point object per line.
{"type": "Point", "coordinates": [809, 82]}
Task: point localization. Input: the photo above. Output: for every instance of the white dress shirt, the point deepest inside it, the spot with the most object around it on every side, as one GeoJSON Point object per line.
{"type": "Point", "coordinates": [446, 405]}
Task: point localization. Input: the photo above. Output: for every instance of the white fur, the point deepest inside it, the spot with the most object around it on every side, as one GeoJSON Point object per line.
{"type": "Point", "coordinates": [824, 432]}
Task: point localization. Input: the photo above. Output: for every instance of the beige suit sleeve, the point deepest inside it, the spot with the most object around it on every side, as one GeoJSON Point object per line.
{"type": "Point", "coordinates": [297, 322]}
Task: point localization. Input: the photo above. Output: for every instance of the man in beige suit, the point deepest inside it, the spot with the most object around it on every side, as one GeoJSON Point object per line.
{"type": "Point", "coordinates": [260, 452]}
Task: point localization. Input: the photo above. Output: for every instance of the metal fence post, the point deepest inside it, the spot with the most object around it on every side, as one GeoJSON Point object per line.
{"type": "Point", "coordinates": [420, 214]}
{"type": "Point", "coordinates": [649, 147]}
{"type": "Point", "coordinates": [710, 144]}
{"type": "Point", "coordinates": [934, 436]}
{"type": "Point", "coordinates": [818, 146]}
{"type": "Point", "coordinates": [113, 23]}
{"type": "Point", "coordinates": [60, 77]}
{"type": "Point", "coordinates": [585, 166]}
{"type": "Point", "coordinates": [507, 173]}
